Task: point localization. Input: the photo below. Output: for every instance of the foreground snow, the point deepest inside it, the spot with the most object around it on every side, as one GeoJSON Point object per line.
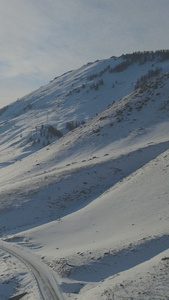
{"type": "Point", "coordinates": [94, 244]}
{"type": "Point", "coordinates": [148, 280]}
{"type": "Point", "coordinates": [101, 255]}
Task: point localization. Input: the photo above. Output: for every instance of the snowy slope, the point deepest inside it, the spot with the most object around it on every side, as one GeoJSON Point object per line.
{"type": "Point", "coordinates": [93, 203]}
{"type": "Point", "coordinates": [73, 97]}
{"type": "Point", "coordinates": [124, 227]}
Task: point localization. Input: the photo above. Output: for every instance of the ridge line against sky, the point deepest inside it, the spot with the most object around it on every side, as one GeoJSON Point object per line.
{"type": "Point", "coordinates": [42, 39]}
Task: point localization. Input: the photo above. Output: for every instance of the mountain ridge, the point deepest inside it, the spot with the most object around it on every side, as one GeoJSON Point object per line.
{"type": "Point", "coordinates": [72, 99]}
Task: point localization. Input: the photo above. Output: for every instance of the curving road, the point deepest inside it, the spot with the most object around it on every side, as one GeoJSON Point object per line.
{"type": "Point", "coordinates": [43, 275]}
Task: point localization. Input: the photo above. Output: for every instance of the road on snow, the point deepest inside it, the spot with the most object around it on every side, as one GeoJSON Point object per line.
{"type": "Point", "coordinates": [44, 277]}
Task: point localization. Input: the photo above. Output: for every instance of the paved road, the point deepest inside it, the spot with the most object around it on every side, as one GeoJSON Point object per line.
{"type": "Point", "coordinates": [43, 275]}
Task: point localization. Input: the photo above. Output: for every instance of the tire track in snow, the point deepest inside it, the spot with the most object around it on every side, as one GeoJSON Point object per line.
{"type": "Point", "coordinates": [46, 282]}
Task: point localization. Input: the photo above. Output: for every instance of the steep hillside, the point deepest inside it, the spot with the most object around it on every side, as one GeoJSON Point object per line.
{"type": "Point", "coordinates": [43, 116]}
{"type": "Point", "coordinates": [84, 178]}
{"type": "Point", "coordinates": [110, 146]}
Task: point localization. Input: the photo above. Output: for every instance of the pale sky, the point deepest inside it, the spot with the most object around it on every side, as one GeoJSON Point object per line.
{"type": "Point", "coordinates": [41, 39]}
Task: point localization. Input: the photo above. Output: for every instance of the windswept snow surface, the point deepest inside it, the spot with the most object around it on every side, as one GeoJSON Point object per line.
{"type": "Point", "coordinates": [90, 210]}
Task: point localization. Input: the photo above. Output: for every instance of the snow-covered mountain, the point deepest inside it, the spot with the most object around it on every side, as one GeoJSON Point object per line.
{"type": "Point", "coordinates": [71, 99]}
{"type": "Point", "coordinates": [84, 178]}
